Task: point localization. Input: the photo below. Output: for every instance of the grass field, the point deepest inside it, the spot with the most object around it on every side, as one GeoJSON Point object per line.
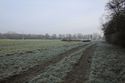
{"type": "Point", "coordinates": [55, 61]}
{"type": "Point", "coordinates": [11, 47]}
{"type": "Point", "coordinates": [17, 56]}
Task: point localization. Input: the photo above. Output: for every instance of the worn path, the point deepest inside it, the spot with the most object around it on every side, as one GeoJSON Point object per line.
{"type": "Point", "coordinates": [80, 71]}
{"type": "Point", "coordinates": [24, 76]}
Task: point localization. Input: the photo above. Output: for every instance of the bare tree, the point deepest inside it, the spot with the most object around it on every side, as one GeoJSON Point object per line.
{"type": "Point", "coordinates": [114, 29]}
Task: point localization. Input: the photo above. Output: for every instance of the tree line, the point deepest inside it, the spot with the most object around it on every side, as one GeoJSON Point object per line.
{"type": "Point", "coordinates": [114, 28]}
{"type": "Point", "coordinates": [79, 36]}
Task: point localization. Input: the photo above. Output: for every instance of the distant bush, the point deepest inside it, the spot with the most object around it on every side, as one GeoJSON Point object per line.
{"type": "Point", "coordinates": [69, 40]}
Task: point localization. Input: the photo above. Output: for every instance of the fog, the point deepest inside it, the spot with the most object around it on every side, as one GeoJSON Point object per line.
{"type": "Point", "coordinates": [51, 16]}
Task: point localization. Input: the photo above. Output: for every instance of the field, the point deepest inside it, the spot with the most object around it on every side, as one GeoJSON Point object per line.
{"type": "Point", "coordinates": [11, 47]}
{"type": "Point", "coordinates": [27, 60]}
{"type": "Point", "coordinates": [55, 61]}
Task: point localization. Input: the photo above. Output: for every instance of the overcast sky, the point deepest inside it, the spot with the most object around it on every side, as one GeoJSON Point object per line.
{"type": "Point", "coordinates": [51, 16]}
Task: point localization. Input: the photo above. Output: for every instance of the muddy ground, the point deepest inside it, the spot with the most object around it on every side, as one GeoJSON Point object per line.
{"type": "Point", "coordinates": [81, 70]}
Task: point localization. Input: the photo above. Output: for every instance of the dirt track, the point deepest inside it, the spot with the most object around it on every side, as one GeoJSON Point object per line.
{"type": "Point", "coordinates": [80, 71]}
{"type": "Point", "coordinates": [24, 76]}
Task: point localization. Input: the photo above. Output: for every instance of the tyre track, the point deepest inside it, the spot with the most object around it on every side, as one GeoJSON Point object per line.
{"type": "Point", "coordinates": [81, 70]}
{"type": "Point", "coordinates": [24, 76]}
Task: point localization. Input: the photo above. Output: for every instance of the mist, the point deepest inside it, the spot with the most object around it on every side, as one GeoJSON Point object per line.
{"type": "Point", "coordinates": [51, 16]}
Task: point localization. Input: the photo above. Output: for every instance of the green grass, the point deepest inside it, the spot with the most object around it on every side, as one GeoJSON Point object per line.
{"type": "Point", "coordinates": [10, 47]}
{"type": "Point", "coordinates": [20, 55]}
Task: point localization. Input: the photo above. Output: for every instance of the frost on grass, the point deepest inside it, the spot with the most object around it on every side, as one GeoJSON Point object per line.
{"type": "Point", "coordinates": [108, 64]}
{"type": "Point", "coordinates": [10, 65]}
{"type": "Point", "coordinates": [55, 73]}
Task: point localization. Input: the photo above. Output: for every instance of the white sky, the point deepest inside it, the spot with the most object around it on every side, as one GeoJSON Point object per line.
{"type": "Point", "coordinates": [51, 16]}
